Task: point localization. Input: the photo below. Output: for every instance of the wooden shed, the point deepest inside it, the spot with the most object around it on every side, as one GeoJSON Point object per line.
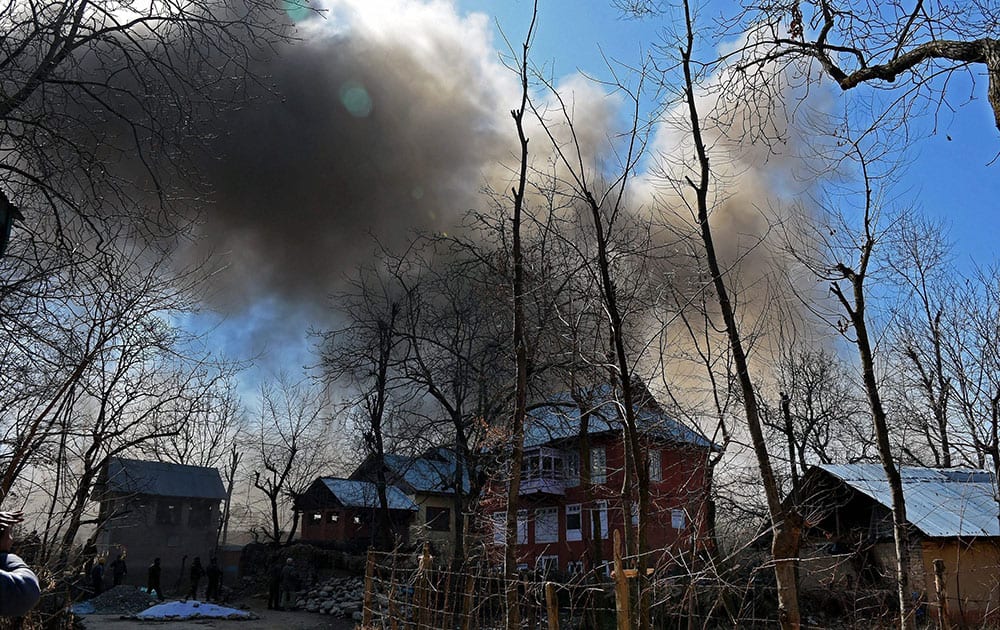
{"type": "Point", "coordinates": [954, 518]}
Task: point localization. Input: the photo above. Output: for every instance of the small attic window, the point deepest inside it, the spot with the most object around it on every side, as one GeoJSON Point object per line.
{"type": "Point", "coordinates": [316, 517]}
{"type": "Point", "coordinates": [332, 517]}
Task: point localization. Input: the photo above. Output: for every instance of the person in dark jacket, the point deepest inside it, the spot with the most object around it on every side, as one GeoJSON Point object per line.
{"type": "Point", "coordinates": [214, 574]}
{"type": "Point", "coordinates": [274, 587]}
{"type": "Point", "coordinates": [153, 579]}
{"type": "Point", "coordinates": [19, 589]}
{"type": "Point", "coordinates": [97, 576]}
{"type": "Point", "coordinates": [197, 571]}
{"type": "Point", "coordinates": [118, 570]}
{"type": "Point", "coordinates": [289, 584]}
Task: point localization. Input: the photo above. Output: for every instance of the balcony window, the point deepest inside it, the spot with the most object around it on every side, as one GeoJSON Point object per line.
{"type": "Point", "coordinates": [499, 522]}
{"type": "Point", "coordinates": [655, 466]}
{"type": "Point", "coordinates": [547, 525]}
{"type": "Point", "coordinates": [599, 520]}
{"type": "Point", "coordinates": [547, 564]}
{"type": "Point", "coordinates": [677, 519]}
{"type": "Point", "coordinates": [574, 522]}
{"type": "Point", "coordinates": [571, 468]}
{"type": "Point", "coordinates": [598, 465]}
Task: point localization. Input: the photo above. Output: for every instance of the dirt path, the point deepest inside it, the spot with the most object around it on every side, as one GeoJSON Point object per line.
{"type": "Point", "coordinates": [267, 620]}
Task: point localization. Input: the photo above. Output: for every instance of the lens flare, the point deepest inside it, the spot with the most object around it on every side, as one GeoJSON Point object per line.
{"type": "Point", "coordinates": [355, 99]}
{"type": "Point", "coordinates": [297, 10]}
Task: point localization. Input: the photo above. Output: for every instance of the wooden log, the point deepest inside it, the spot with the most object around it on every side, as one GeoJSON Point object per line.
{"type": "Point", "coordinates": [470, 586]}
{"type": "Point", "coordinates": [623, 609]}
{"type": "Point", "coordinates": [941, 589]}
{"type": "Point", "coordinates": [423, 612]}
{"type": "Point", "coordinates": [552, 605]}
{"type": "Point", "coordinates": [366, 611]}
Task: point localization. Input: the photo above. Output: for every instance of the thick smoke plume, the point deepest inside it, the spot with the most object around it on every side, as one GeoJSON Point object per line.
{"type": "Point", "coordinates": [384, 118]}
{"type": "Point", "coordinates": [391, 115]}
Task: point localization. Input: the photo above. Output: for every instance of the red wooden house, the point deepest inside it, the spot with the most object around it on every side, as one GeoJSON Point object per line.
{"type": "Point", "coordinates": [345, 512]}
{"type": "Point", "coordinates": [567, 526]}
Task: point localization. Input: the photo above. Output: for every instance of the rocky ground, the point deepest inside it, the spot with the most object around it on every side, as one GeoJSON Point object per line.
{"type": "Point", "coordinates": [337, 597]}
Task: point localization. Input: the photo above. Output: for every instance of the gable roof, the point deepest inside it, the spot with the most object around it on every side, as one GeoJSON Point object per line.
{"type": "Point", "coordinates": [433, 472]}
{"type": "Point", "coordinates": [163, 479]}
{"type": "Point", "coordinates": [559, 419]}
{"type": "Point", "coordinates": [940, 502]}
{"type": "Point", "coordinates": [364, 494]}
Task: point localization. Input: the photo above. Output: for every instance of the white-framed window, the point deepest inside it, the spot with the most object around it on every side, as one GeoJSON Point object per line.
{"type": "Point", "coordinates": [499, 521]}
{"type": "Point", "coordinates": [522, 527]}
{"type": "Point", "coordinates": [547, 525]}
{"type": "Point", "coordinates": [598, 465]}
{"type": "Point", "coordinates": [678, 519]}
{"type": "Point", "coordinates": [635, 512]}
{"type": "Point", "coordinates": [655, 466]}
{"type": "Point", "coordinates": [547, 564]}
{"type": "Point", "coordinates": [574, 567]}
{"type": "Point", "coordinates": [599, 519]}
{"type": "Point", "coordinates": [574, 522]}
{"type": "Point", "coordinates": [571, 459]}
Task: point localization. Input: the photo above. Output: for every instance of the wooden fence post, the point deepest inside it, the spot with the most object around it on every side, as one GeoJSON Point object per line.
{"type": "Point", "coordinates": [470, 586]}
{"type": "Point", "coordinates": [622, 606]}
{"type": "Point", "coordinates": [366, 611]}
{"type": "Point", "coordinates": [422, 595]}
{"type": "Point", "coordinates": [552, 605]}
{"type": "Point", "coordinates": [941, 587]}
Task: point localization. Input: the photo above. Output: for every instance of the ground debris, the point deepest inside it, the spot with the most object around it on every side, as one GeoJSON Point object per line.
{"type": "Point", "coordinates": [122, 600]}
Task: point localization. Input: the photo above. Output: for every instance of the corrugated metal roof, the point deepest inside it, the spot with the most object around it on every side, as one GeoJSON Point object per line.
{"type": "Point", "coordinates": [163, 479]}
{"type": "Point", "coordinates": [364, 494]}
{"type": "Point", "coordinates": [941, 503]}
{"type": "Point", "coordinates": [432, 472]}
{"type": "Point", "coordinates": [561, 420]}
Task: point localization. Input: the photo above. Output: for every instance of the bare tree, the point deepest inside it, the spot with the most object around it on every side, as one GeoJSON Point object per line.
{"type": "Point", "coordinates": [362, 357]}
{"type": "Point", "coordinates": [290, 447]}
{"type": "Point", "coordinates": [911, 47]}
{"type": "Point", "coordinates": [785, 523]}
{"type": "Point", "coordinates": [849, 265]}
{"type": "Point", "coordinates": [100, 98]}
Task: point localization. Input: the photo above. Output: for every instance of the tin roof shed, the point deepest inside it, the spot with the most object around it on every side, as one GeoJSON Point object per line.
{"type": "Point", "coordinates": [940, 502]}
{"type": "Point", "coordinates": [364, 494]}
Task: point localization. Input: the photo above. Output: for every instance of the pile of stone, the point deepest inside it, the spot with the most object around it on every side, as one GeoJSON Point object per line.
{"type": "Point", "coordinates": [338, 597]}
{"type": "Point", "coordinates": [122, 599]}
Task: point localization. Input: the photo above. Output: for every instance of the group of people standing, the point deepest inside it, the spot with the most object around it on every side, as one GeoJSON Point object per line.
{"type": "Point", "coordinates": [282, 583]}
{"type": "Point", "coordinates": [119, 570]}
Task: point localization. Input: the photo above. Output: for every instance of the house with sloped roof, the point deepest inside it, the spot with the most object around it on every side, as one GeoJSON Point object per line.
{"type": "Point", "coordinates": [429, 480]}
{"type": "Point", "coordinates": [158, 510]}
{"type": "Point", "coordinates": [346, 513]}
{"type": "Point", "coordinates": [571, 478]}
{"type": "Point", "coordinates": [954, 518]}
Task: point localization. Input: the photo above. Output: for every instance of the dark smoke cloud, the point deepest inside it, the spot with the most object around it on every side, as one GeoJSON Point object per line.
{"type": "Point", "coordinates": [366, 136]}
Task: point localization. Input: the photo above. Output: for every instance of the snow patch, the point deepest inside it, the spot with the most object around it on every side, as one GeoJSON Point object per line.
{"type": "Point", "coordinates": [192, 609]}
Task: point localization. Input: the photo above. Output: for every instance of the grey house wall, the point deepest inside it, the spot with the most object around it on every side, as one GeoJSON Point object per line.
{"type": "Point", "coordinates": [170, 528]}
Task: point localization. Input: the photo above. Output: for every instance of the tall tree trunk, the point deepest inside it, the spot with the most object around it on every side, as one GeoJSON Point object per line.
{"type": "Point", "coordinates": [513, 619]}
{"type": "Point", "coordinates": [786, 531]}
